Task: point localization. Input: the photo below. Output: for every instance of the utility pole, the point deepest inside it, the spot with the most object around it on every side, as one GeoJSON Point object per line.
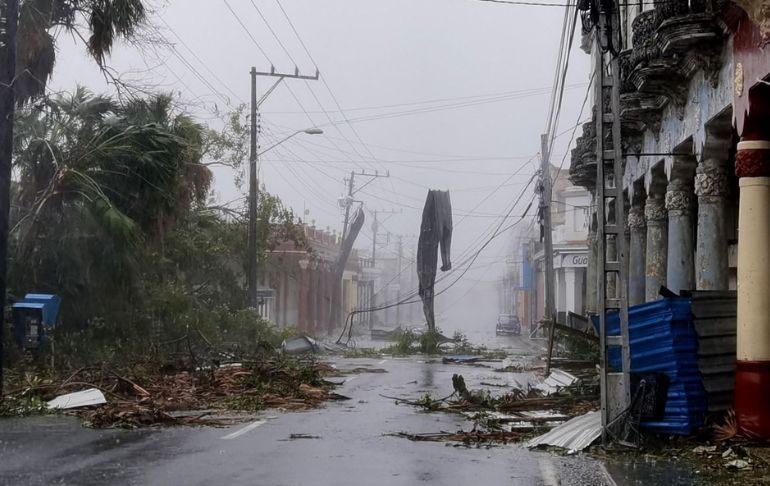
{"type": "Point", "coordinates": [545, 207]}
{"type": "Point", "coordinates": [348, 203]}
{"type": "Point", "coordinates": [375, 228]}
{"type": "Point", "coordinates": [9, 15]}
{"type": "Point", "coordinates": [375, 231]}
{"type": "Point", "coordinates": [253, 250]}
{"type": "Point", "coordinates": [253, 197]}
{"type": "Point", "coordinates": [398, 269]}
{"type": "Point", "coordinates": [352, 191]}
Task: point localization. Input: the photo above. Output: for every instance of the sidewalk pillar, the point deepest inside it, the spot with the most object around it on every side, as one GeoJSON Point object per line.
{"type": "Point", "coordinates": [657, 247]}
{"type": "Point", "coordinates": [752, 374]}
{"type": "Point", "coordinates": [680, 264]}
{"type": "Point", "coordinates": [711, 266]}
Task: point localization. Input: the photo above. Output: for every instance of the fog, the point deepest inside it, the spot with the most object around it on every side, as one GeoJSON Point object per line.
{"type": "Point", "coordinates": [444, 94]}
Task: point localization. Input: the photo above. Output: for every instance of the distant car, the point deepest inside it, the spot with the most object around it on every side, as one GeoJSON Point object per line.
{"type": "Point", "coordinates": [507, 324]}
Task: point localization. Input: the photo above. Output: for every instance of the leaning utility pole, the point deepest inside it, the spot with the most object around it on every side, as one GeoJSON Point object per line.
{"type": "Point", "coordinates": [545, 210]}
{"type": "Point", "coordinates": [9, 15]}
{"type": "Point", "coordinates": [252, 260]}
{"type": "Point", "coordinates": [348, 202]}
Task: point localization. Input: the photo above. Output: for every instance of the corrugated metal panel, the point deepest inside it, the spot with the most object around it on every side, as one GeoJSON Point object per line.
{"type": "Point", "coordinates": [714, 317]}
{"type": "Point", "coordinates": [573, 435]}
{"type": "Point", "coordinates": [663, 340]}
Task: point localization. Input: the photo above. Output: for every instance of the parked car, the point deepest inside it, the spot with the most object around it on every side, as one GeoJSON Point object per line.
{"type": "Point", "coordinates": [507, 324]}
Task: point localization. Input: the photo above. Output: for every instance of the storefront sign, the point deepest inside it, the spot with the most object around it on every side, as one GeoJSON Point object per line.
{"type": "Point", "coordinates": [575, 260]}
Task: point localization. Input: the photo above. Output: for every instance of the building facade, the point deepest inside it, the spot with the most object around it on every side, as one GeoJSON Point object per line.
{"type": "Point", "coordinates": [695, 113]}
{"type": "Point", "coordinates": [569, 217]}
{"type": "Point", "coordinates": [298, 283]}
{"type": "Point", "coordinates": [522, 291]}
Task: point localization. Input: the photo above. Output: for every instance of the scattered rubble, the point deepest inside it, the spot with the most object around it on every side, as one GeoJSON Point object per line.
{"type": "Point", "coordinates": [106, 398]}
{"type": "Point", "coordinates": [80, 399]}
{"type": "Point", "coordinates": [519, 412]}
{"type": "Point", "coordinates": [474, 437]}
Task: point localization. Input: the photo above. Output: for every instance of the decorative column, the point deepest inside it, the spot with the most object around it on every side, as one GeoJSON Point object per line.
{"type": "Point", "coordinates": [711, 266]}
{"type": "Point", "coordinates": [637, 249]}
{"type": "Point", "coordinates": [570, 291]}
{"type": "Point", "coordinates": [591, 270]}
{"type": "Point", "coordinates": [752, 373]}
{"type": "Point", "coordinates": [304, 291]}
{"type": "Point", "coordinates": [657, 247]}
{"type": "Point", "coordinates": [680, 273]}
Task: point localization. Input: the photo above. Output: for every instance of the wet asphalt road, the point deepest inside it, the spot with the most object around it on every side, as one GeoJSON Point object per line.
{"type": "Point", "coordinates": [351, 447]}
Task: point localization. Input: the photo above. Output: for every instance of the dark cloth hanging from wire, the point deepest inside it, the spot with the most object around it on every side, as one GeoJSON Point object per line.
{"type": "Point", "coordinates": [435, 231]}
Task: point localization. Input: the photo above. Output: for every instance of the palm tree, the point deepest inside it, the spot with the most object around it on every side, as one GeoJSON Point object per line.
{"type": "Point", "coordinates": [95, 179]}
{"type": "Point", "coordinates": [97, 22]}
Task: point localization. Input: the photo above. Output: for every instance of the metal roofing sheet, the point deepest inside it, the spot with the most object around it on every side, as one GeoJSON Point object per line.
{"type": "Point", "coordinates": [573, 435]}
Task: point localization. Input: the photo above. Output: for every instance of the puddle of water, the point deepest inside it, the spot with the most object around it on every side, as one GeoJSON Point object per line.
{"type": "Point", "coordinates": [651, 471]}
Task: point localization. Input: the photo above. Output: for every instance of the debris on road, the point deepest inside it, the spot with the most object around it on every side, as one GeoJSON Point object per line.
{"type": "Point", "coordinates": [84, 398]}
{"type": "Point", "coordinates": [556, 380]}
{"type": "Point", "coordinates": [300, 345]}
{"type": "Point", "coordinates": [460, 359]}
{"type": "Point", "coordinates": [303, 436]}
{"type": "Point", "coordinates": [738, 464]}
{"type": "Point", "coordinates": [153, 395]}
{"type": "Point", "coordinates": [573, 435]}
{"type": "Point", "coordinates": [473, 437]}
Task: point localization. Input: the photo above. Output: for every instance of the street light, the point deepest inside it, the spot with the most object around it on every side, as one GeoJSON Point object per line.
{"type": "Point", "coordinates": [253, 250]}
{"type": "Point", "coordinates": [307, 131]}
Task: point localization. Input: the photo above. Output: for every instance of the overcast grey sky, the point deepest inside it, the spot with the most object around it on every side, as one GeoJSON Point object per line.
{"type": "Point", "coordinates": [445, 94]}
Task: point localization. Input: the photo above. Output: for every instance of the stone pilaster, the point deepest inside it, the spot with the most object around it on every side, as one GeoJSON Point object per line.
{"type": "Point", "coordinates": [711, 266]}
{"type": "Point", "coordinates": [656, 252]}
{"type": "Point", "coordinates": [637, 249]}
{"type": "Point", "coordinates": [680, 273]}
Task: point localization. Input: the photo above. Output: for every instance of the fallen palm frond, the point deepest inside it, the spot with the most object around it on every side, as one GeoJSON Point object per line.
{"type": "Point", "coordinates": [727, 430]}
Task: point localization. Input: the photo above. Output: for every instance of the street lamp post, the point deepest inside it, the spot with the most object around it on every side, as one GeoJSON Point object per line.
{"type": "Point", "coordinates": [253, 246]}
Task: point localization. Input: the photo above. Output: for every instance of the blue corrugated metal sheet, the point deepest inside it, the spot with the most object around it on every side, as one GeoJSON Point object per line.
{"type": "Point", "coordinates": [662, 339]}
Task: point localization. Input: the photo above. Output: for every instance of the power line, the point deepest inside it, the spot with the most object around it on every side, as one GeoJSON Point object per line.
{"type": "Point", "coordinates": [407, 300]}
{"type": "Point", "coordinates": [248, 32]}
{"type": "Point", "coordinates": [574, 129]}
{"type": "Point", "coordinates": [326, 84]}
{"type": "Point", "coordinates": [270, 28]}
{"type": "Point", "coordinates": [205, 65]}
{"type": "Point", "coordinates": [488, 96]}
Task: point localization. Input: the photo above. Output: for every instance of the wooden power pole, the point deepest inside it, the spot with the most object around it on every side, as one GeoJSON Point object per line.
{"type": "Point", "coordinates": [9, 17]}
{"type": "Point", "coordinates": [546, 197]}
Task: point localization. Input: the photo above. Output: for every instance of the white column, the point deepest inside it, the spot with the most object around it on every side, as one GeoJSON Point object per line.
{"type": "Point", "coordinates": [570, 291]}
